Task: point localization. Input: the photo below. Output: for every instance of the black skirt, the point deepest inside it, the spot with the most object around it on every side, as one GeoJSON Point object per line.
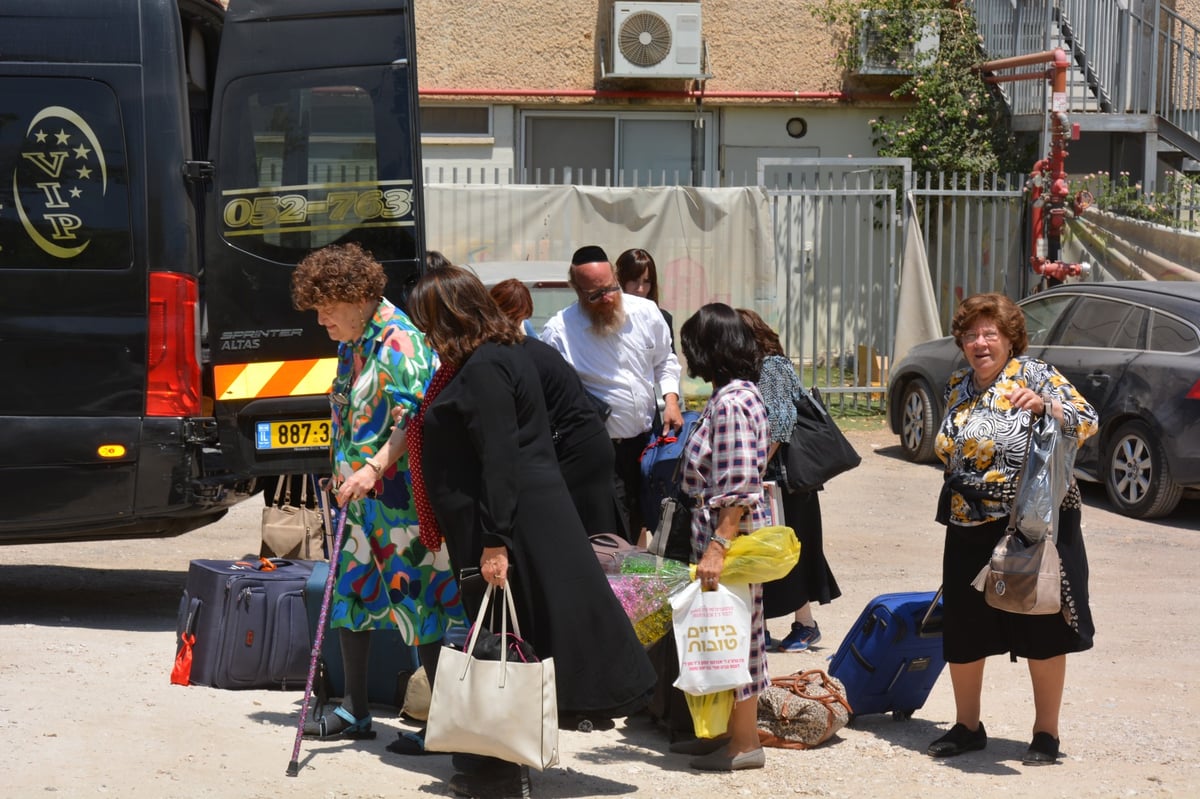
{"type": "Point", "coordinates": [811, 579]}
{"type": "Point", "coordinates": [972, 629]}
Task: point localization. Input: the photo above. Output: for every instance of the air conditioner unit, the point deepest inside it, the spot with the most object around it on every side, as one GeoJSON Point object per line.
{"type": "Point", "coordinates": [876, 57]}
{"type": "Point", "coordinates": [656, 40]}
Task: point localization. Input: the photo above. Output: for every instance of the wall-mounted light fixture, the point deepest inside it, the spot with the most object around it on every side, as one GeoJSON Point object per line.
{"type": "Point", "coordinates": [797, 127]}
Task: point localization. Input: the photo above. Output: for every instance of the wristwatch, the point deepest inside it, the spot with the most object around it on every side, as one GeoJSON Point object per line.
{"type": "Point", "coordinates": [723, 543]}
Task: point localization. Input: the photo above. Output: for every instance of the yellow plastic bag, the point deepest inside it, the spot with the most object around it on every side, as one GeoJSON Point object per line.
{"type": "Point", "coordinates": [710, 713]}
{"type": "Point", "coordinates": [765, 555]}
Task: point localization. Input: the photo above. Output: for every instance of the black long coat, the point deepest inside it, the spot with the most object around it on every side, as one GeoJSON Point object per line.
{"type": "Point", "coordinates": [492, 478]}
{"type": "Point", "coordinates": [585, 452]}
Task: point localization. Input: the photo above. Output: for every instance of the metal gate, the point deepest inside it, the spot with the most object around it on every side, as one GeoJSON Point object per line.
{"type": "Point", "coordinates": [839, 228]}
{"type": "Point", "coordinates": [836, 228]}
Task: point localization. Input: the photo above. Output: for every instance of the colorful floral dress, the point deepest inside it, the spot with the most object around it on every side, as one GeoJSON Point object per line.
{"type": "Point", "coordinates": [983, 437]}
{"type": "Point", "coordinates": [723, 465]}
{"type": "Point", "coordinates": [982, 442]}
{"type": "Point", "coordinates": [386, 577]}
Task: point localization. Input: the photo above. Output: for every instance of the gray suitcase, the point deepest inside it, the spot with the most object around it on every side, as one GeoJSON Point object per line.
{"type": "Point", "coordinates": [249, 623]}
{"type": "Point", "coordinates": [391, 662]}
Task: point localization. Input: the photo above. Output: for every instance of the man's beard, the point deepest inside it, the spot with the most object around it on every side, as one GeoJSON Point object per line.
{"type": "Point", "coordinates": [606, 318]}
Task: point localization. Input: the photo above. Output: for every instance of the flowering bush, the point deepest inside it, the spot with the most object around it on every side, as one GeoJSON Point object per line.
{"type": "Point", "coordinates": [1176, 205]}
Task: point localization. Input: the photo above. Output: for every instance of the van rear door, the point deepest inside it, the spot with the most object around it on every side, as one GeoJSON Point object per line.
{"type": "Point", "coordinates": [314, 142]}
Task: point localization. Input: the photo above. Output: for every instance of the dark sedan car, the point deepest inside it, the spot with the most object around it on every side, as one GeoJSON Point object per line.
{"type": "Point", "coordinates": [1132, 348]}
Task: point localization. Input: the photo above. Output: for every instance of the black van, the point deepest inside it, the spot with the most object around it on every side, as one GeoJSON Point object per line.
{"type": "Point", "coordinates": [164, 164]}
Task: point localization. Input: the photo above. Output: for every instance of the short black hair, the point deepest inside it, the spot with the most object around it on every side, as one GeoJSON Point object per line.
{"type": "Point", "coordinates": [719, 345]}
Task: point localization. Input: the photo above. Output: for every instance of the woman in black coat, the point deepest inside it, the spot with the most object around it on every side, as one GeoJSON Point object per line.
{"type": "Point", "coordinates": [488, 471]}
{"type": "Point", "coordinates": [581, 442]}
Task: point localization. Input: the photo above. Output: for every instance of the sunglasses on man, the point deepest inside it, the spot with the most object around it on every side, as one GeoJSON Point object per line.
{"type": "Point", "coordinates": [599, 294]}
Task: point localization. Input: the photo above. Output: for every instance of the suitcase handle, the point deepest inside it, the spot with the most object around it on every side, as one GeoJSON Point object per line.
{"type": "Point", "coordinates": [264, 564]}
{"type": "Point", "coordinates": [922, 629]}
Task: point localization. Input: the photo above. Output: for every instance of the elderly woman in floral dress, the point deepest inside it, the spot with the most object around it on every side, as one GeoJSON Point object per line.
{"type": "Point", "coordinates": [388, 576]}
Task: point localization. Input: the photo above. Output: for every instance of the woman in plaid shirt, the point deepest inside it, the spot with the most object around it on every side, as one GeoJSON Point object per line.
{"type": "Point", "coordinates": [723, 465]}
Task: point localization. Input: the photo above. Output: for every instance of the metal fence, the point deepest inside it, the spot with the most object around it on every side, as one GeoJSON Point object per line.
{"type": "Point", "coordinates": [830, 280]}
{"type": "Point", "coordinates": [840, 227]}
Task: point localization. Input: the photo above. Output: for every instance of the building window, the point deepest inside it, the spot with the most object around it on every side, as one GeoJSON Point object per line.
{"type": "Point", "coordinates": [456, 121]}
{"type": "Point", "coordinates": [648, 149]}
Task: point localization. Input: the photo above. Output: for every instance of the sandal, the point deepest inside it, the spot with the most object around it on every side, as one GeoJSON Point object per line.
{"type": "Point", "coordinates": [327, 728]}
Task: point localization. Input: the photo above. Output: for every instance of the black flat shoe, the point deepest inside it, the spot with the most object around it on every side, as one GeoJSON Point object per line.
{"type": "Point", "coordinates": [699, 746]}
{"type": "Point", "coordinates": [488, 786]}
{"type": "Point", "coordinates": [408, 743]}
{"type": "Point", "coordinates": [465, 763]}
{"type": "Point", "coordinates": [957, 741]}
{"type": "Point", "coordinates": [1043, 750]}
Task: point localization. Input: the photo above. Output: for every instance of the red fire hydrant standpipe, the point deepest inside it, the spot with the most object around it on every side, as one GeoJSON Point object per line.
{"type": "Point", "coordinates": [1048, 187]}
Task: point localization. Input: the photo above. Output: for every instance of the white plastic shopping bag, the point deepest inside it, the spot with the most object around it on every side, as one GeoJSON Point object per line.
{"type": "Point", "coordinates": [712, 633]}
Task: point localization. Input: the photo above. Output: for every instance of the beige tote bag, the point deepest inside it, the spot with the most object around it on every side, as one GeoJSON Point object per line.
{"type": "Point", "coordinates": [503, 708]}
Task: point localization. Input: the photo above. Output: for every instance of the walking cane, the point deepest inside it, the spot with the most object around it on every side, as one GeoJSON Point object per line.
{"type": "Point", "coordinates": [293, 768]}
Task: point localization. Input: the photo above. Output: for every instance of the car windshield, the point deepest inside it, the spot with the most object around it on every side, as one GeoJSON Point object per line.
{"type": "Point", "coordinates": [1041, 314]}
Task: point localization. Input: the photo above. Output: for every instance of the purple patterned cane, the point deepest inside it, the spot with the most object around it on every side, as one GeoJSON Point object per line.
{"type": "Point", "coordinates": [293, 768]}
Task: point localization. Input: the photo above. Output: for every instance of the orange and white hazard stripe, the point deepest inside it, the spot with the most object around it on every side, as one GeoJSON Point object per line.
{"type": "Point", "coordinates": [235, 381]}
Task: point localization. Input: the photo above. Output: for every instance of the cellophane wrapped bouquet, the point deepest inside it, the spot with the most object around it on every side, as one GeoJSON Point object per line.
{"type": "Point", "coordinates": [644, 588]}
{"type": "Point", "coordinates": [646, 582]}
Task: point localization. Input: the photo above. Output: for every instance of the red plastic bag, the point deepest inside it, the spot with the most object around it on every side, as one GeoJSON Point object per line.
{"type": "Point", "coordinates": [181, 673]}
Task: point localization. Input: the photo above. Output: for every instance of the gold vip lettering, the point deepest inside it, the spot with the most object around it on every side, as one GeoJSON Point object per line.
{"type": "Point", "coordinates": [64, 225]}
{"type": "Point", "coordinates": [53, 196]}
{"type": "Point", "coordinates": [51, 163]}
{"type": "Point", "coordinates": [63, 151]}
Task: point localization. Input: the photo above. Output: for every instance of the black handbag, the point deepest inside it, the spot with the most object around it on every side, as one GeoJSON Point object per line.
{"type": "Point", "coordinates": [817, 451]}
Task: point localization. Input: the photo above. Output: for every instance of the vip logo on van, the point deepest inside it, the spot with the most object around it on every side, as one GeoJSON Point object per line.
{"type": "Point", "coordinates": [61, 174]}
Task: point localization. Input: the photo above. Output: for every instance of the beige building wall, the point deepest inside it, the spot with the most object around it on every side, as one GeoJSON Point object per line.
{"type": "Point", "coordinates": [769, 61]}
{"type": "Point", "coordinates": [754, 45]}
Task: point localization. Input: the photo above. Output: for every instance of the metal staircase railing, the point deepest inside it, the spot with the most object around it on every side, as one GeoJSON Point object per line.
{"type": "Point", "coordinates": [1179, 86]}
{"type": "Point", "coordinates": [1128, 57]}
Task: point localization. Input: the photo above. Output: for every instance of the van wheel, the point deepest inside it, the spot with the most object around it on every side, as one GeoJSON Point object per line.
{"type": "Point", "coordinates": [1136, 475]}
{"type": "Point", "coordinates": [917, 425]}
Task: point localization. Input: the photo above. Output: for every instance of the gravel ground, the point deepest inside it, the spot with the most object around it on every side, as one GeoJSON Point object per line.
{"type": "Point", "coordinates": [87, 641]}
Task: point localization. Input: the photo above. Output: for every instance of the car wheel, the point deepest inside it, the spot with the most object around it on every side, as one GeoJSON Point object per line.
{"type": "Point", "coordinates": [917, 423]}
{"type": "Point", "coordinates": [1136, 475]}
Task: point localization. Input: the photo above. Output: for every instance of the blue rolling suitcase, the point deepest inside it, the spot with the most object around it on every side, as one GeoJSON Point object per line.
{"type": "Point", "coordinates": [391, 662]}
{"type": "Point", "coordinates": [892, 656]}
{"type": "Point", "coordinates": [248, 622]}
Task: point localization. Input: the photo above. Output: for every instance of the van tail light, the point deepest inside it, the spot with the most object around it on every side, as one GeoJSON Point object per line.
{"type": "Point", "coordinates": [1195, 392]}
{"type": "Point", "coordinates": [172, 351]}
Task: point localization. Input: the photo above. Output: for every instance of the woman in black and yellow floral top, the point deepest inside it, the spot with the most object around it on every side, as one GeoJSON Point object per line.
{"type": "Point", "coordinates": [989, 408]}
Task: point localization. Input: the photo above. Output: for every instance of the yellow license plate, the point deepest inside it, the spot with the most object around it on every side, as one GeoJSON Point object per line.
{"type": "Point", "coordinates": [293, 434]}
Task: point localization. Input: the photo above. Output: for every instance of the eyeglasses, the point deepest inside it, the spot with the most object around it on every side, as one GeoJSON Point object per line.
{"type": "Point", "coordinates": [990, 336]}
{"type": "Point", "coordinates": [600, 294]}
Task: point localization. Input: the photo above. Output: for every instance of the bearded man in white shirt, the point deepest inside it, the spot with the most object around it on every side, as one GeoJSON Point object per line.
{"type": "Point", "coordinates": [621, 347]}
